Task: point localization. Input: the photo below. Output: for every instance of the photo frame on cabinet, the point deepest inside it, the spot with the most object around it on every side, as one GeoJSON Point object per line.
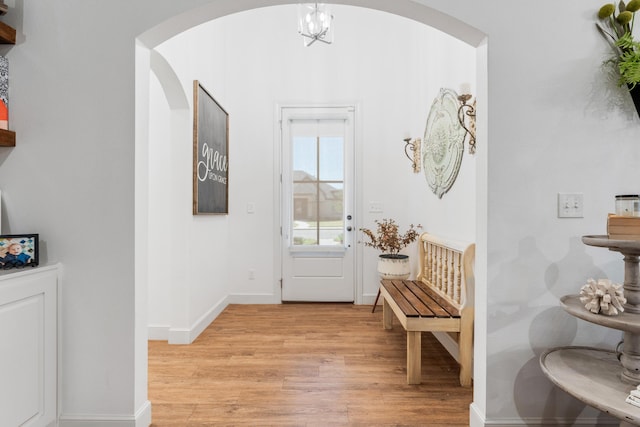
{"type": "Point", "coordinates": [19, 250]}
{"type": "Point", "coordinates": [210, 154]}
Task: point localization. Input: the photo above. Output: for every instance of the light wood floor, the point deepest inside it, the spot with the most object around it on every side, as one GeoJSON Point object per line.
{"type": "Point", "coordinates": [302, 365]}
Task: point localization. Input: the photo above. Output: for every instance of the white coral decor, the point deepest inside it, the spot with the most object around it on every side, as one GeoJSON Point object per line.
{"type": "Point", "coordinates": [603, 297]}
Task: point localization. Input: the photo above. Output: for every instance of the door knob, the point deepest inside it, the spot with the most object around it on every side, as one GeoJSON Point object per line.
{"type": "Point", "coordinates": [349, 228]}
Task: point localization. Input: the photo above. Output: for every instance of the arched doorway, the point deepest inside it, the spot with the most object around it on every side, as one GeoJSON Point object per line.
{"type": "Point", "coordinates": [152, 38]}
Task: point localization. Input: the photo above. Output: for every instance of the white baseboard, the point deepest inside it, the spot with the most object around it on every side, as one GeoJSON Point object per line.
{"type": "Point", "coordinates": [189, 335]}
{"type": "Point", "coordinates": [253, 299]}
{"type": "Point", "coordinates": [275, 299]}
{"type": "Point", "coordinates": [539, 422]}
{"type": "Point", "coordinates": [476, 419]}
{"type": "Point", "coordinates": [142, 418]}
{"type": "Point", "coordinates": [369, 299]}
{"type": "Point", "coordinates": [158, 332]}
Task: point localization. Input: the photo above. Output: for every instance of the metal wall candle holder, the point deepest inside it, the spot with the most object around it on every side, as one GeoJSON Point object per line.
{"type": "Point", "coordinates": [414, 147]}
{"type": "Point", "coordinates": [468, 111]}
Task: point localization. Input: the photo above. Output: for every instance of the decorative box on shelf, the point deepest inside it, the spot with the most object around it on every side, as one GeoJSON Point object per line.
{"type": "Point", "coordinates": [623, 227]}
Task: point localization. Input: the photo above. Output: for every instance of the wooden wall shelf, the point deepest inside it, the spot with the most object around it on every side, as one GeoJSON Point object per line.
{"type": "Point", "coordinates": [7, 34]}
{"type": "Point", "coordinates": [7, 138]}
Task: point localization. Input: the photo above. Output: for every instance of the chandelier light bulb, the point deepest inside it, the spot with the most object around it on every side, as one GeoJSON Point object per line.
{"type": "Point", "coordinates": [314, 23]}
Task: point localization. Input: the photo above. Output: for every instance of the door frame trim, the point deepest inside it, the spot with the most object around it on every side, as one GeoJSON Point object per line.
{"type": "Point", "coordinates": [277, 183]}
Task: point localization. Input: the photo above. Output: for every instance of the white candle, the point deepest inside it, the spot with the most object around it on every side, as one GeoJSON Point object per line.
{"type": "Point", "coordinates": [465, 88]}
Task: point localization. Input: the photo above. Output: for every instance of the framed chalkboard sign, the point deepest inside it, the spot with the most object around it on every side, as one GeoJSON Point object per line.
{"type": "Point", "coordinates": [210, 154]}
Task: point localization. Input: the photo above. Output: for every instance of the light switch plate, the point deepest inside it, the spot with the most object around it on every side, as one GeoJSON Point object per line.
{"type": "Point", "coordinates": [570, 205]}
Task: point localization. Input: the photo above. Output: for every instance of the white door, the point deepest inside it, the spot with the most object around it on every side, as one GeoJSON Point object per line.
{"type": "Point", "coordinates": [317, 212]}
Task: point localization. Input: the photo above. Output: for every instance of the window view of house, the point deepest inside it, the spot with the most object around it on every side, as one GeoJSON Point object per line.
{"type": "Point", "coordinates": [318, 190]}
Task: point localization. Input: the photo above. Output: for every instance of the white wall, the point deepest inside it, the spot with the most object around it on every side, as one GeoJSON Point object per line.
{"type": "Point", "coordinates": [160, 246]}
{"type": "Point", "coordinates": [392, 76]}
{"type": "Point", "coordinates": [187, 255]}
{"type": "Point", "coordinates": [549, 124]}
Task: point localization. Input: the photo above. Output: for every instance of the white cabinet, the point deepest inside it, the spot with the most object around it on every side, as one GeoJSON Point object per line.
{"type": "Point", "coordinates": [28, 346]}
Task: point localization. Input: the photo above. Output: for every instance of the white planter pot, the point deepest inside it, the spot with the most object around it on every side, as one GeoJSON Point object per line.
{"type": "Point", "coordinates": [394, 266]}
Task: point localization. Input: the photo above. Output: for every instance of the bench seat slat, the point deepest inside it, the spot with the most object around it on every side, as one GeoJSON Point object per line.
{"type": "Point", "coordinates": [399, 298]}
{"type": "Point", "coordinates": [446, 305]}
{"type": "Point", "coordinates": [421, 305]}
{"type": "Point", "coordinates": [417, 300]}
{"type": "Point", "coordinates": [435, 305]}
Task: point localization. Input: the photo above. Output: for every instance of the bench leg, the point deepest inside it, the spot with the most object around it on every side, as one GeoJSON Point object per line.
{"type": "Point", "coordinates": [414, 365]}
{"type": "Point", "coordinates": [387, 315]}
{"type": "Point", "coordinates": [465, 348]}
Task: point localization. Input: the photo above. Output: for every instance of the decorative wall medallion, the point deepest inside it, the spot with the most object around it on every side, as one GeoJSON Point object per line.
{"type": "Point", "coordinates": [442, 145]}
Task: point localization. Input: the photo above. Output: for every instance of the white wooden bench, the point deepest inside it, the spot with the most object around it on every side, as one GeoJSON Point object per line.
{"type": "Point", "coordinates": [440, 300]}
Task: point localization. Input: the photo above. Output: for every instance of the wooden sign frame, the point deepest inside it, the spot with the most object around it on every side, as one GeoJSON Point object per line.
{"type": "Point", "coordinates": [210, 154]}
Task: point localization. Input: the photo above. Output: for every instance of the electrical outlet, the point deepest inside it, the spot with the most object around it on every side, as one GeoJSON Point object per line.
{"type": "Point", "coordinates": [376, 207]}
{"type": "Point", "coordinates": [252, 274]}
{"type": "Point", "coordinates": [570, 205]}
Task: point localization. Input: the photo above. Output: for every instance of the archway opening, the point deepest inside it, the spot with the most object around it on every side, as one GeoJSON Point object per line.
{"type": "Point", "coordinates": [145, 54]}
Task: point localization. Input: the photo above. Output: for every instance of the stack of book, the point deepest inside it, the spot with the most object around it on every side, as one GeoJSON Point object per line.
{"type": "Point", "coordinates": [623, 227]}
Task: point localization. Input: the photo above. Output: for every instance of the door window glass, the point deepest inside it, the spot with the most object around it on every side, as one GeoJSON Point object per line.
{"type": "Point", "coordinates": [317, 182]}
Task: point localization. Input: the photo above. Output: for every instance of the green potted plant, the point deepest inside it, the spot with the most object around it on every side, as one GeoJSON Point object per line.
{"type": "Point", "coordinates": [617, 27]}
{"type": "Point", "coordinates": [388, 240]}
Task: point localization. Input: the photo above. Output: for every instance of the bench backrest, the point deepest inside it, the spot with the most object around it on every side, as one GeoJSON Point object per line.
{"type": "Point", "coordinates": [446, 266]}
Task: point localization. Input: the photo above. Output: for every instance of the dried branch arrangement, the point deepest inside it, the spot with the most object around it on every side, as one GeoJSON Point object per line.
{"type": "Point", "coordinates": [387, 239]}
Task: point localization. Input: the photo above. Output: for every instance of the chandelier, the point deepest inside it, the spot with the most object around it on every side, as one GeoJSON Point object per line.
{"type": "Point", "coordinates": [314, 23]}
